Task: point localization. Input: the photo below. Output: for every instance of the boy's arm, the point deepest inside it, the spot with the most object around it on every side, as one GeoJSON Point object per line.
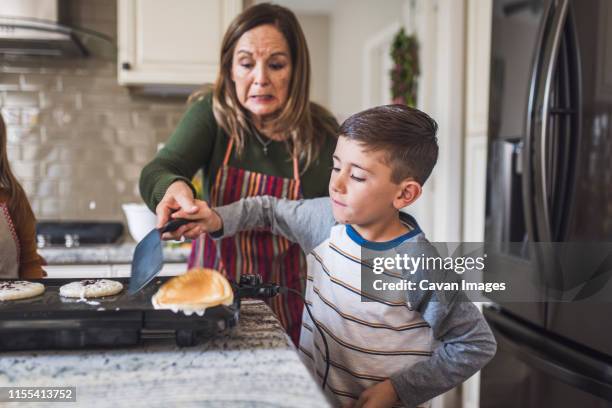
{"type": "Point", "coordinates": [306, 222]}
{"type": "Point", "coordinates": [466, 344]}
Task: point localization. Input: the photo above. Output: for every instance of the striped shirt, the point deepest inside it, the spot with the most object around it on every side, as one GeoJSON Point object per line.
{"type": "Point", "coordinates": [368, 341]}
{"type": "Point", "coordinates": [422, 341]}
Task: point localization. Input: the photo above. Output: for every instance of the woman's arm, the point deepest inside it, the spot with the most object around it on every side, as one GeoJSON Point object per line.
{"type": "Point", "coordinates": [187, 150]}
{"type": "Point", "coordinates": [165, 183]}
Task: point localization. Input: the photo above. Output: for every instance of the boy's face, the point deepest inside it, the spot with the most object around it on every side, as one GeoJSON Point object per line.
{"type": "Point", "coordinates": [360, 187]}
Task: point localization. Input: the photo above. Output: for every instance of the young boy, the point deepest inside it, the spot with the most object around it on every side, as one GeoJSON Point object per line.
{"type": "Point", "coordinates": [380, 352]}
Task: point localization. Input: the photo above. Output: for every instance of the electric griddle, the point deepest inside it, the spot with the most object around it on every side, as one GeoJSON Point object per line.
{"type": "Point", "coordinates": [50, 321]}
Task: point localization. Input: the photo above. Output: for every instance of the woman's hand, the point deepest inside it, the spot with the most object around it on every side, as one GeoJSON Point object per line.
{"type": "Point", "coordinates": [380, 395]}
{"type": "Point", "coordinates": [178, 197]}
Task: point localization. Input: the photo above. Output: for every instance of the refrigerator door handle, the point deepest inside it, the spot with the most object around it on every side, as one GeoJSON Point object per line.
{"type": "Point", "coordinates": [531, 120]}
{"type": "Point", "coordinates": [571, 136]}
{"type": "Point", "coordinates": [540, 169]}
{"type": "Point", "coordinates": [552, 357]}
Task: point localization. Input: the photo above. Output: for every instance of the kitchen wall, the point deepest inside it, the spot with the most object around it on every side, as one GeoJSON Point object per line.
{"type": "Point", "coordinates": [78, 140]}
{"type": "Point", "coordinates": [353, 24]}
{"type": "Point", "coordinates": [316, 29]}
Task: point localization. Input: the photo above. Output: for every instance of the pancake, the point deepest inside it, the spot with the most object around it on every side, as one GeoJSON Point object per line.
{"type": "Point", "coordinates": [91, 288]}
{"type": "Point", "coordinates": [15, 290]}
{"type": "Point", "coordinates": [194, 292]}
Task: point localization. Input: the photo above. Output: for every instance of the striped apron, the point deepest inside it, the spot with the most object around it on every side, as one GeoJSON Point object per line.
{"type": "Point", "coordinates": [259, 251]}
{"type": "Point", "coordinates": [9, 245]}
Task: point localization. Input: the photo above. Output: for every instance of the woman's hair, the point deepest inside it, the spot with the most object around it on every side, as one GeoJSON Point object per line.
{"type": "Point", "coordinates": [299, 117]}
{"type": "Point", "coordinates": [8, 181]}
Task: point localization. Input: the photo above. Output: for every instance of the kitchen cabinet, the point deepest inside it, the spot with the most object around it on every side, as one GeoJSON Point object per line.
{"type": "Point", "coordinates": [106, 271]}
{"type": "Point", "coordinates": [172, 43]}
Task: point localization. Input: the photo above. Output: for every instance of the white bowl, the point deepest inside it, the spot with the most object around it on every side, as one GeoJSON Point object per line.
{"type": "Point", "coordinates": [140, 220]}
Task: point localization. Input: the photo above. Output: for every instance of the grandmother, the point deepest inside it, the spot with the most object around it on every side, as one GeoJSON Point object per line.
{"type": "Point", "coordinates": [256, 133]}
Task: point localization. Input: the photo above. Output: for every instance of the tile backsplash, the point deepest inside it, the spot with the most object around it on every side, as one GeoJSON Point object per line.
{"type": "Point", "coordinates": [77, 140]}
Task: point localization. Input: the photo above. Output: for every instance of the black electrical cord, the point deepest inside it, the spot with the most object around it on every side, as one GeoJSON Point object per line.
{"type": "Point", "coordinates": [252, 286]}
{"type": "Point", "coordinates": [285, 289]}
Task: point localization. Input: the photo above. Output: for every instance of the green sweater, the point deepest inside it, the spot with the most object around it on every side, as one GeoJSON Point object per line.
{"type": "Point", "coordinates": [198, 143]}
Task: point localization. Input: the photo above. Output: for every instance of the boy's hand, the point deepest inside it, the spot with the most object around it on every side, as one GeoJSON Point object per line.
{"type": "Point", "coordinates": [381, 395]}
{"type": "Point", "coordinates": [204, 220]}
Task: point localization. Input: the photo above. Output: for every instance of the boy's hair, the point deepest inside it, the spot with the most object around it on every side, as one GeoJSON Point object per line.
{"type": "Point", "coordinates": [406, 135]}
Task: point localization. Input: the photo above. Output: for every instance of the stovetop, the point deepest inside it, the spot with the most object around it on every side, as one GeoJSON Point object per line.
{"type": "Point", "coordinates": [76, 233]}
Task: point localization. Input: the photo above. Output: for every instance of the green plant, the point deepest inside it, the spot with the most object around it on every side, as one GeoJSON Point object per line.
{"type": "Point", "coordinates": [405, 71]}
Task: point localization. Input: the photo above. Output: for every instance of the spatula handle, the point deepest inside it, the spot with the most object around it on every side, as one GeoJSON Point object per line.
{"type": "Point", "coordinates": [173, 225]}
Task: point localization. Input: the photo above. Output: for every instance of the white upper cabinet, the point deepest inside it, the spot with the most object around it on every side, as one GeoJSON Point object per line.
{"type": "Point", "coordinates": [171, 42]}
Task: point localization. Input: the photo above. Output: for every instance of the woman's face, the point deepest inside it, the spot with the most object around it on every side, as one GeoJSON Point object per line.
{"type": "Point", "coordinates": [261, 71]}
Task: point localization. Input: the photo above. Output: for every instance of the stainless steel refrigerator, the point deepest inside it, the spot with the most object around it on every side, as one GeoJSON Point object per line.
{"type": "Point", "coordinates": [549, 179]}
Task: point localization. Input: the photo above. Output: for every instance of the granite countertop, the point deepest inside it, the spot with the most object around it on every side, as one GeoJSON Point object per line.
{"type": "Point", "coordinates": [105, 254]}
{"type": "Point", "coordinates": [253, 364]}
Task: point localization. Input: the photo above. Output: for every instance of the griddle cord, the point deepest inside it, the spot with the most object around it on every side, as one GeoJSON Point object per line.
{"type": "Point", "coordinates": [267, 290]}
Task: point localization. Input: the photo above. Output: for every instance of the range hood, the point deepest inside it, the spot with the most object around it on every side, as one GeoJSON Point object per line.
{"type": "Point", "coordinates": [32, 27]}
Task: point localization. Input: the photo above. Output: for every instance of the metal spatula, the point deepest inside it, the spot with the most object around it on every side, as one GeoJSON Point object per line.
{"type": "Point", "coordinates": [148, 257]}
